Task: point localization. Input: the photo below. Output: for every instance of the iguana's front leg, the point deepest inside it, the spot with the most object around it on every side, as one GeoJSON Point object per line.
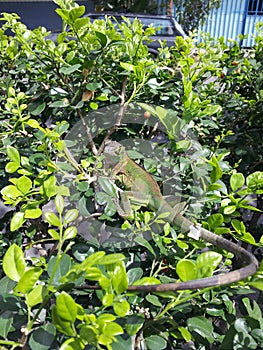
{"type": "Point", "coordinates": [136, 196]}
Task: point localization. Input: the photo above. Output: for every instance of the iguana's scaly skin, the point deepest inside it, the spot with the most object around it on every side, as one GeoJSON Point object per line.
{"type": "Point", "coordinates": [141, 183]}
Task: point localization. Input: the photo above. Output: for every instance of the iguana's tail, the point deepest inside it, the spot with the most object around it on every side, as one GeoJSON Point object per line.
{"type": "Point", "coordinates": [195, 231]}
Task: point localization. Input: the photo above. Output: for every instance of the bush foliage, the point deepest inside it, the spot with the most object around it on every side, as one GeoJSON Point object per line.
{"type": "Point", "coordinates": [200, 105]}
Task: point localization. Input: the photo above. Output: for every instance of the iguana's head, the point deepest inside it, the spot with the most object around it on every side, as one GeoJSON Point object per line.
{"type": "Point", "coordinates": [113, 148]}
{"type": "Point", "coordinates": [113, 153]}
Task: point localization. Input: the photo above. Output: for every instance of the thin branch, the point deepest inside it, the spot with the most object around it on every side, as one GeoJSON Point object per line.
{"type": "Point", "coordinates": [90, 139]}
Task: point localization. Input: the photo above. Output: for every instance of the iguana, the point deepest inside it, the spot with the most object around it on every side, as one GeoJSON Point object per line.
{"type": "Point", "coordinates": [144, 189]}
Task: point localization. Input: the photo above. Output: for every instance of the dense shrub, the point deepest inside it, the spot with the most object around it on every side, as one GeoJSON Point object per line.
{"type": "Point", "coordinates": [193, 118]}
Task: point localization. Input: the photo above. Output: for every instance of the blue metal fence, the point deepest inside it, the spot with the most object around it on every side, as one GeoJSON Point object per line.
{"type": "Point", "coordinates": [235, 17]}
{"type": "Point", "coordinates": [232, 18]}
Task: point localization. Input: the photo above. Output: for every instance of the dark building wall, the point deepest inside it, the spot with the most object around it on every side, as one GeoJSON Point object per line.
{"type": "Point", "coordinates": [38, 13]}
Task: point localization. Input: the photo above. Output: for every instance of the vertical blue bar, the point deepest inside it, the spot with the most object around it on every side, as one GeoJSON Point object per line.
{"type": "Point", "coordinates": [245, 19]}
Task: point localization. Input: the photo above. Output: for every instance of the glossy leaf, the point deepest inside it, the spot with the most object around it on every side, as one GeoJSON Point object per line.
{"type": "Point", "coordinates": [59, 203]}
{"type": "Point", "coordinates": [33, 213]}
{"type": "Point", "coordinates": [35, 296]}
{"type": "Point", "coordinates": [28, 280]}
{"type": "Point", "coordinates": [11, 167]}
{"type": "Point", "coordinates": [237, 181]}
{"type": "Point", "coordinates": [17, 221]}
{"type": "Point", "coordinates": [52, 219]}
{"type": "Point", "coordinates": [49, 186]}
{"type": "Point", "coordinates": [121, 308]}
{"type": "Point", "coordinates": [70, 216]}
{"type": "Point", "coordinates": [107, 186]}
{"type": "Point", "coordinates": [210, 258]}
{"type": "Point", "coordinates": [202, 326]}
{"type": "Point", "coordinates": [14, 264]}
{"type": "Point", "coordinates": [133, 324]}
{"type": "Point", "coordinates": [111, 259]}
{"type": "Point", "coordinates": [119, 278]}
{"type": "Point", "coordinates": [61, 270]}
{"type": "Point", "coordinates": [62, 325]}
{"type": "Point", "coordinates": [155, 341]}
{"type": "Point", "coordinates": [70, 232]}
{"type": "Point", "coordinates": [6, 321]}
{"type": "Point", "coordinates": [66, 307]}
{"type": "Point", "coordinates": [54, 234]}
{"type": "Point", "coordinates": [43, 337]}
{"type": "Point", "coordinates": [186, 270]}
{"type": "Point", "coordinates": [13, 154]}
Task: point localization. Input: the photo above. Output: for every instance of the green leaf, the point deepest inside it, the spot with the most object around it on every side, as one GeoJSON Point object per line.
{"type": "Point", "coordinates": [76, 12]}
{"type": "Point", "coordinates": [54, 234]}
{"type": "Point", "coordinates": [6, 321]}
{"type": "Point", "coordinates": [89, 333]}
{"type": "Point", "coordinates": [211, 109]}
{"type": "Point", "coordinates": [110, 208]}
{"type": "Point", "coordinates": [216, 173]}
{"type": "Point", "coordinates": [112, 328]}
{"type": "Point", "coordinates": [215, 220]}
{"type": "Point", "coordinates": [62, 325]}
{"type": "Point", "coordinates": [81, 22]}
{"type": "Point", "coordinates": [237, 181]}
{"type": "Point", "coordinates": [147, 108]}
{"type": "Point", "coordinates": [43, 337]}
{"type": "Point", "coordinates": [14, 263]}
{"type": "Point", "coordinates": [207, 262]}
{"type": "Point", "coordinates": [255, 181]}
{"type": "Point", "coordinates": [59, 203]}
{"type": "Point", "coordinates": [258, 285]}
{"type": "Point", "coordinates": [146, 281]}
{"type": "Point", "coordinates": [52, 219]}
{"type": "Point", "coordinates": [133, 324]}
{"type": "Point", "coordinates": [35, 296]}
{"type": "Point", "coordinates": [161, 112]}
{"type": "Point", "coordinates": [66, 307]}
{"type": "Point", "coordinates": [143, 242]}
{"type": "Point", "coordinates": [107, 300]}
{"type": "Point", "coordinates": [122, 343]}
{"type": "Point", "coordinates": [70, 232]}
{"type": "Point", "coordinates": [127, 66]}
{"type": "Point", "coordinates": [186, 270]}
{"type": "Point", "coordinates": [6, 285]}
{"type": "Point", "coordinates": [154, 342]}
{"type": "Point", "coordinates": [67, 71]}
{"type": "Point", "coordinates": [33, 213]}
{"type": "Point", "coordinates": [36, 107]}
{"type": "Point", "coordinates": [121, 308]}
{"type": "Point", "coordinates": [185, 333]}
{"type": "Point", "coordinates": [107, 186]}
{"type": "Point", "coordinates": [111, 259]}
{"type": "Point", "coordinates": [49, 186]}
{"type": "Point", "coordinates": [70, 216]}
{"type": "Point", "coordinates": [11, 167]}
{"type": "Point", "coordinates": [93, 105]}
{"type": "Point", "coordinates": [72, 344]}
{"type": "Point", "coordinates": [134, 274]}
{"type": "Point", "coordinates": [119, 278]}
{"type": "Point", "coordinates": [28, 280]}
{"type": "Point", "coordinates": [64, 14]}
{"type": "Point", "coordinates": [61, 270]}
{"type": "Point", "coordinates": [11, 192]}
{"type": "Point", "coordinates": [230, 209]}
{"type": "Point", "coordinates": [202, 326]}
{"type": "Point", "coordinates": [102, 38]}
{"type": "Point", "coordinates": [153, 299]}
{"type": "Point", "coordinates": [13, 154]}
{"type": "Point", "coordinates": [17, 221]}
{"type": "Point", "coordinates": [60, 103]}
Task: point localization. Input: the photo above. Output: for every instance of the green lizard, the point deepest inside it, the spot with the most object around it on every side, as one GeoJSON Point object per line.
{"type": "Point", "coordinates": [142, 188]}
